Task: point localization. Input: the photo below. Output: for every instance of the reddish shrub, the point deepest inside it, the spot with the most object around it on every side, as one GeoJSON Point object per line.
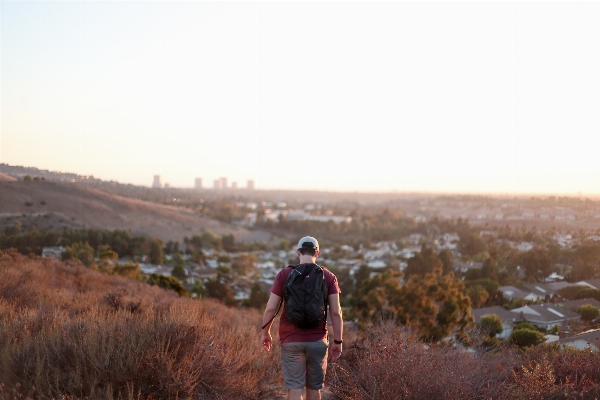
{"type": "Point", "coordinates": [70, 332]}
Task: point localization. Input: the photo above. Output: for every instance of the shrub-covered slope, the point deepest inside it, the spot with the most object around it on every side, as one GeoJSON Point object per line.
{"type": "Point", "coordinates": [70, 332]}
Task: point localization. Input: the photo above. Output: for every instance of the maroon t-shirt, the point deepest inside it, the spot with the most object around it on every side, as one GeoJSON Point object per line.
{"type": "Point", "coordinates": [288, 332]}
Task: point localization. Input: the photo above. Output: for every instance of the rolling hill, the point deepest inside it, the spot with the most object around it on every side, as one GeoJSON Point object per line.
{"type": "Point", "coordinates": [6, 178]}
{"type": "Point", "coordinates": [52, 205]}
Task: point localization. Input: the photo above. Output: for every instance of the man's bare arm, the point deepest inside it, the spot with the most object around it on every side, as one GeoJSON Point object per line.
{"type": "Point", "coordinates": [272, 306]}
{"type": "Point", "coordinates": [335, 313]}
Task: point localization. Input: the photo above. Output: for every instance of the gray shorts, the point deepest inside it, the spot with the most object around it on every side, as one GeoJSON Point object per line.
{"type": "Point", "coordinates": [304, 364]}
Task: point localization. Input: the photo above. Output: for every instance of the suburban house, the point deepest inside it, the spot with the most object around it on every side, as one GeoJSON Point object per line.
{"type": "Point", "coordinates": [593, 283]}
{"type": "Point", "coordinates": [508, 319]}
{"type": "Point", "coordinates": [589, 340]}
{"type": "Point", "coordinates": [464, 267]}
{"type": "Point", "coordinates": [535, 291]}
{"type": "Point", "coordinates": [543, 316]}
{"type": "Point", "coordinates": [546, 316]}
{"type": "Point", "coordinates": [574, 304]}
{"type": "Point", "coordinates": [512, 292]}
{"type": "Point", "coordinates": [53, 252]}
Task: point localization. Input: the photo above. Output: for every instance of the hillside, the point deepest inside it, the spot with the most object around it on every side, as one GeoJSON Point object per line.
{"type": "Point", "coordinates": [4, 177]}
{"type": "Point", "coordinates": [52, 205]}
{"type": "Point", "coordinates": [72, 333]}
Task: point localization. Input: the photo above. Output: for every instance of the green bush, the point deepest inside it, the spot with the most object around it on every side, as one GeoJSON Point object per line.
{"type": "Point", "coordinates": [525, 325]}
{"type": "Point", "coordinates": [588, 312]}
{"type": "Point", "coordinates": [167, 282]}
{"type": "Point", "coordinates": [526, 338]}
{"type": "Point", "coordinates": [588, 293]}
{"type": "Point", "coordinates": [491, 324]}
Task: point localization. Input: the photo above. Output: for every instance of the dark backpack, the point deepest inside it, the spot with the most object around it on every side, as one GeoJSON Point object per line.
{"type": "Point", "coordinates": [305, 295]}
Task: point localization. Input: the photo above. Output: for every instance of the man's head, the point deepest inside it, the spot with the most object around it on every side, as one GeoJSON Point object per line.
{"type": "Point", "coordinates": [308, 246]}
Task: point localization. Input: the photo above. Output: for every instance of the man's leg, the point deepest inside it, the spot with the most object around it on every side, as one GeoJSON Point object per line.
{"type": "Point", "coordinates": [293, 366]}
{"type": "Point", "coordinates": [316, 365]}
{"type": "Point", "coordinates": [311, 394]}
{"type": "Point", "coordinates": [295, 394]}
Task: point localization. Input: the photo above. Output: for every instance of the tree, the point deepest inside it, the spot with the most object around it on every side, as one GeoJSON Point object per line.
{"type": "Point", "coordinates": [588, 312]}
{"type": "Point", "coordinates": [478, 295]}
{"type": "Point", "coordinates": [13, 230]}
{"type": "Point", "coordinates": [244, 264]}
{"type": "Point", "coordinates": [168, 282]}
{"type": "Point", "coordinates": [128, 270]}
{"type": "Point", "coordinates": [588, 293]}
{"type": "Point", "coordinates": [220, 288]}
{"type": "Point", "coordinates": [284, 244]}
{"type": "Point", "coordinates": [527, 338]}
{"type": "Point", "coordinates": [445, 256]}
{"type": "Point", "coordinates": [258, 297]}
{"type": "Point", "coordinates": [228, 242]}
{"type": "Point", "coordinates": [581, 271]}
{"type": "Point", "coordinates": [80, 251]}
{"type": "Point", "coordinates": [210, 240]}
{"type": "Point", "coordinates": [423, 262]}
{"type": "Point", "coordinates": [471, 244]}
{"type": "Point", "coordinates": [537, 263]}
{"type": "Point", "coordinates": [433, 306]}
{"type": "Point", "coordinates": [569, 292]}
{"type": "Point", "coordinates": [153, 247]}
{"type": "Point", "coordinates": [179, 269]}
{"type": "Point", "coordinates": [362, 275]}
{"type": "Point", "coordinates": [488, 269]}
{"type": "Point", "coordinates": [491, 325]}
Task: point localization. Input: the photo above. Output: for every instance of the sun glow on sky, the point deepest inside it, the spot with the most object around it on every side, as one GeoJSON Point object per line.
{"type": "Point", "coordinates": [371, 96]}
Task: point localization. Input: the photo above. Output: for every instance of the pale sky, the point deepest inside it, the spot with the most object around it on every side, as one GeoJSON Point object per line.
{"type": "Point", "coordinates": [478, 97]}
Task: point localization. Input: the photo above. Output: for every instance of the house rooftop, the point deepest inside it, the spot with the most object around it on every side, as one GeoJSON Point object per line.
{"type": "Point", "coordinates": [591, 336]}
{"type": "Point", "coordinates": [546, 313]}
{"type": "Point", "coordinates": [574, 304]}
{"type": "Point", "coordinates": [504, 314]}
{"type": "Point", "coordinates": [592, 282]}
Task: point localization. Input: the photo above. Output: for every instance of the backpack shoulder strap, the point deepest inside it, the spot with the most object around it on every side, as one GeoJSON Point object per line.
{"type": "Point", "coordinates": [280, 302]}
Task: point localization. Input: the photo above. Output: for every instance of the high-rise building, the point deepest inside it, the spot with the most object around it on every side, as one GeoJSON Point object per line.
{"type": "Point", "coordinates": [250, 184]}
{"type": "Point", "coordinates": [217, 184]}
{"type": "Point", "coordinates": [198, 184]}
{"type": "Point", "coordinates": [167, 185]}
{"type": "Point", "coordinates": [157, 184]}
{"type": "Point", "coordinates": [233, 185]}
{"type": "Point", "coordinates": [223, 183]}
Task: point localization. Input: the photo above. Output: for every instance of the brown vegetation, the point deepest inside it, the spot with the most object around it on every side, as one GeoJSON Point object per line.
{"type": "Point", "coordinates": [70, 332]}
{"type": "Point", "coordinates": [387, 364]}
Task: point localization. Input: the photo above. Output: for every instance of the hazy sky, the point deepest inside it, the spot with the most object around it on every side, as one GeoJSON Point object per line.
{"type": "Point", "coordinates": [408, 96]}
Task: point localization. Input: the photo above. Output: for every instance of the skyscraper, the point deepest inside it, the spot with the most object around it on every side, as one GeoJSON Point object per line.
{"type": "Point", "coordinates": [198, 184]}
{"type": "Point", "coordinates": [223, 183]}
{"type": "Point", "coordinates": [250, 184]}
{"type": "Point", "coordinates": [217, 184]}
{"type": "Point", "coordinates": [157, 184]}
{"type": "Point", "coordinates": [233, 185]}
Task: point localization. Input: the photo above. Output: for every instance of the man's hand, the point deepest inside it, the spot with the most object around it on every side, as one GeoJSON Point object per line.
{"type": "Point", "coordinates": [336, 351]}
{"type": "Point", "coordinates": [267, 340]}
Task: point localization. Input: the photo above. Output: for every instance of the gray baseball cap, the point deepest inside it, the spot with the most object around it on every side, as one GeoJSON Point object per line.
{"type": "Point", "coordinates": [308, 242]}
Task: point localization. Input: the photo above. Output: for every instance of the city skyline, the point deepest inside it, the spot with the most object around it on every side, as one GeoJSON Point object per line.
{"type": "Point", "coordinates": [449, 97]}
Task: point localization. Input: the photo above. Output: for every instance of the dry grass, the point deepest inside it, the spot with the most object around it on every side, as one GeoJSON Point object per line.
{"type": "Point", "coordinates": [387, 364]}
{"type": "Point", "coordinates": [69, 332]}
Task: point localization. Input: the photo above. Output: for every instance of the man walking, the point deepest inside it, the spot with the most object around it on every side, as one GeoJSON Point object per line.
{"type": "Point", "coordinates": [304, 349]}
